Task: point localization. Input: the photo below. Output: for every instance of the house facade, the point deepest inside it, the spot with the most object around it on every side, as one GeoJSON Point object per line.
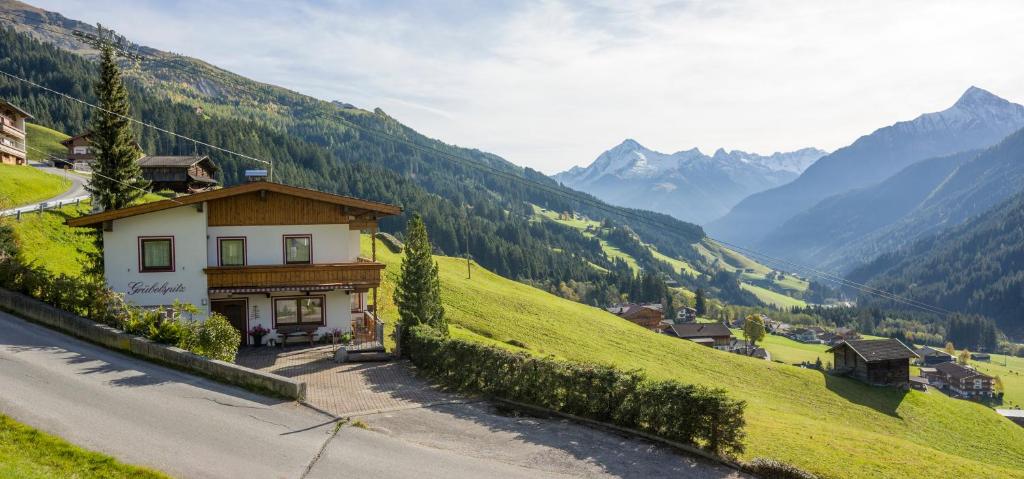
{"type": "Point", "coordinates": [960, 380]}
{"type": "Point", "coordinates": [261, 254]}
{"type": "Point", "coordinates": [79, 153]}
{"type": "Point", "coordinates": [12, 134]}
{"type": "Point", "coordinates": [931, 356]}
{"type": "Point", "coordinates": [883, 362]}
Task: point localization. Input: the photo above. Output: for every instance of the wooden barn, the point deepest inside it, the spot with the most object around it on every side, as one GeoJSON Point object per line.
{"type": "Point", "coordinates": [883, 362]}
{"type": "Point", "coordinates": [182, 174]}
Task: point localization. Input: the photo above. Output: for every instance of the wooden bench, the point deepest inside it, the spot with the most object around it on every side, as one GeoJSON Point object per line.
{"type": "Point", "coordinates": [306, 331]}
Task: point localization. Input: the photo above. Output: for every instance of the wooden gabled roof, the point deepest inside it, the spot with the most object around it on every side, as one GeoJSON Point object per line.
{"type": "Point", "coordinates": [877, 349]}
{"type": "Point", "coordinates": [12, 106]}
{"type": "Point", "coordinates": [381, 209]}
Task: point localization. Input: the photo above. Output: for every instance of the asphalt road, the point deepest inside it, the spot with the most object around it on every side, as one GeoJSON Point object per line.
{"type": "Point", "coordinates": [187, 426]}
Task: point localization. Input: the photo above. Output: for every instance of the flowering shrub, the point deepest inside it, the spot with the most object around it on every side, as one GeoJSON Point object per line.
{"type": "Point", "coordinates": [258, 331]}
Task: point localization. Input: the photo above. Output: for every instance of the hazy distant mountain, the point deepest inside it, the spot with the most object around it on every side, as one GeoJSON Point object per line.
{"type": "Point", "coordinates": [977, 267]}
{"type": "Point", "coordinates": [977, 120]}
{"type": "Point", "coordinates": [687, 184]}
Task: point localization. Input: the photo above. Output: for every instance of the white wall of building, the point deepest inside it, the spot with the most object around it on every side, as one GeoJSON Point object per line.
{"type": "Point", "coordinates": [186, 283]}
{"type": "Point", "coordinates": [265, 244]}
{"type": "Point", "coordinates": [337, 310]}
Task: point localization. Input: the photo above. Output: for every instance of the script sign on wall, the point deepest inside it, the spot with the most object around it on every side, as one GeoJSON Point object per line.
{"type": "Point", "coordinates": [162, 288]}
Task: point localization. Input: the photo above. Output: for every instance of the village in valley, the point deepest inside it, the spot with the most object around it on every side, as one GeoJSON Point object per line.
{"type": "Point", "coordinates": [202, 275]}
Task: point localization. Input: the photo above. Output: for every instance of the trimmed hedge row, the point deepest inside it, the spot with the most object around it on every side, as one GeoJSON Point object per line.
{"type": "Point", "coordinates": [685, 413]}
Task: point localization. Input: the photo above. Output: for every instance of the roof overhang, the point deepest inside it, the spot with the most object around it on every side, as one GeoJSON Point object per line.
{"type": "Point", "coordinates": [96, 219]}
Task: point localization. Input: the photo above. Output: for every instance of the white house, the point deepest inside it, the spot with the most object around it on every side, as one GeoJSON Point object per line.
{"type": "Point", "coordinates": [285, 258]}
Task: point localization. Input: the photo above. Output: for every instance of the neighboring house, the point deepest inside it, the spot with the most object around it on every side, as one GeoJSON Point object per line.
{"type": "Point", "coordinates": [884, 362]}
{"type": "Point", "coordinates": [688, 314]}
{"type": "Point", "coordinates": [182, 174]}
{"type": "Point", "coordinates": [930, 356]}
{"type": "Point", "coordinates": [847, 333]}
{"type": "Point", "coordinates": [646, 315]}
{"type": "Point", "coordinates": [961, 380]}
{"type": "Point", "coordinates": [260, 253]}
{"type": "Point", "coordinates": [804, 335]}
{"type": "Point", "coordinates": [715, 335]}
{"type": "Point", "coordinates": [80, 154]}
{"type": "Point", "coordinates": [12, 134]}
{"type": "Point", "coordinates": [981, 357]}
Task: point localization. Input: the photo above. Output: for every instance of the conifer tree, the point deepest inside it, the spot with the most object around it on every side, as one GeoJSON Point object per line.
{"type": "Point", "coordinates": [700, 303]}
{"type": "Point", "coordinates": [418, 292]}
{"type": "Point", "coordinates": [117, 180]}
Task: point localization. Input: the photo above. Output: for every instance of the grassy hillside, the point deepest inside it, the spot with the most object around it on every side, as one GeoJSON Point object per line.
{"type": "Point", "coordinates": [44, 139]}
{"type": "Point", "coordinates": [1011, 370]}
{"type": "Point", "coordinates": [26, 453]}
{"type": "Point", "coordinates": [23, 185]}
{"type": "Point", "coordinates": [833, 426]}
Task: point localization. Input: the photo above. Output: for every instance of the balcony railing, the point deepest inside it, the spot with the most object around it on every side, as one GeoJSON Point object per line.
{"type": "Point", "coordinates": [359, 275]}
{"type": "Point", "coordinates": [12, 130]}
{"type": "Point", "coordinates": [12, 149]}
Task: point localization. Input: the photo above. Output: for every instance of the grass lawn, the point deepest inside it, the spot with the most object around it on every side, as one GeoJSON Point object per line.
{"type": "Point", "coordinates": [27, 453]}
{"type": "Point", "coordinates": [1012, 375]}
{"type": "Point", "coordinates": [23, 185]}
{"type": "Point", "coordinates": [833, 426]}
{"type": "Point", "coordinates": [788, 351]}
{"type": "Point", "coordinates": [768, 296]}
{"type": "Point", "coordinates": [44, 240]}
{"type": "Point", "coordinates": [46, 140]}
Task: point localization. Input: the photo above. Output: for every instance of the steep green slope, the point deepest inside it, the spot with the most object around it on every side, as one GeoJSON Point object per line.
{"type": "Point", "coordinates": [833, 426]}
{"type": "Point", "coordinates": [22, 185]}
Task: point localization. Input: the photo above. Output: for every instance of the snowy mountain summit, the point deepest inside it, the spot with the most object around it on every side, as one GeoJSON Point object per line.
{"type": "Point", "coordinates": [687, 184]}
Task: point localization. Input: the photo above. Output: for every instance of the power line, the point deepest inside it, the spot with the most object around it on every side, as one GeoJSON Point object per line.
{"type": "Point", "coordinates": [472, 163]}
{"type": "Point", "coordinates": [54, 158]}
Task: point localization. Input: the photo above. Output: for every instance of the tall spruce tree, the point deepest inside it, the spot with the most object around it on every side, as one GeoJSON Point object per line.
{"type": "Point", "coordinates": [117, 180]}
{"type": "Point", "coordinates": [418, 293]}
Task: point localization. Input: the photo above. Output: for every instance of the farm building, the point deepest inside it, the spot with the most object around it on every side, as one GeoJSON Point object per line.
{"type": "Point", "coordinates": [884, 362]}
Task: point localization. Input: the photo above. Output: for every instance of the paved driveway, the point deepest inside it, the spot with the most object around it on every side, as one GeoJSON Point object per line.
{"type": "Point", "coordinates": [393, 402]}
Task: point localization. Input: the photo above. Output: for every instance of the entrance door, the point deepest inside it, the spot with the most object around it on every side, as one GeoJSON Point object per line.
{"type": "Point", "coordinates": [236, 312]}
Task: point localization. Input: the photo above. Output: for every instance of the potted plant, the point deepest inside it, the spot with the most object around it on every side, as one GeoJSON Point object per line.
{"type": "Point", "coordinates": [257, 334]}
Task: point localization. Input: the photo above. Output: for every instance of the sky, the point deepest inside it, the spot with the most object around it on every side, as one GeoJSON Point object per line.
{"type": "Point", "coordinates": [552, 84]}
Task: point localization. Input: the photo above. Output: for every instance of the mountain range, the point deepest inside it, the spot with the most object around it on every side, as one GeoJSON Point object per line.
{"type": "Point", "coordinates": [688, 184]}
{"type": "Point", "coordinates": [977, 120]}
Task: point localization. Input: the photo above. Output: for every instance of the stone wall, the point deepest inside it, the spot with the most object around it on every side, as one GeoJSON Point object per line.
{"type": "Point", "coordinates": [116, 339]}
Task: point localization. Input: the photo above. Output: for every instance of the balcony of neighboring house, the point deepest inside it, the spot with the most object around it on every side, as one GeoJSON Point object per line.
{"type": "Point", "coordinates": [357, 276]}
{"type": "Point", "coordinates": [10, 129]}
{"type": "Point", "coordinates": [12, 148]}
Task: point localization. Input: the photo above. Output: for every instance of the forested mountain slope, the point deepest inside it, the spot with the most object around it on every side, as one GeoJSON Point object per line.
{"type": "Point", "coordinates": [977, 120]}
{"type": "Point", "coordinates": [473, 202]}
{"type": "Point", "coordinates": [977, 267]}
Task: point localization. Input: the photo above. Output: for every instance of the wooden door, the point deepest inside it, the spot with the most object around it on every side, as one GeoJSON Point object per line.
{"type": "Point", "coordinates": [236, 310]}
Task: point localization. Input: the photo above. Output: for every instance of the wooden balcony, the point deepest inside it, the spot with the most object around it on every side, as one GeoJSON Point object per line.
{"type": "Point", "coordinates": [16, 150]}
{"type": "Point", "coordinates": [350, 276]}
{"type": "Point", "coordinates": [12, 131]}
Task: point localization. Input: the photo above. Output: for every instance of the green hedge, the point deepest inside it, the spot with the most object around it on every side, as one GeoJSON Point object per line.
{"type": "Point", "coordinates": [685, 413]}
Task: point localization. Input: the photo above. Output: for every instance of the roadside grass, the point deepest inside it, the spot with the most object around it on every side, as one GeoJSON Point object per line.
{"type": "Point", "coordinates": [27, 453]}
{"type": "Point", "coordinates": [833, 426]}
{"type": "Point", "coordinates": [46, 140]}
{"type": "Point", "coordinates": [46, 241]}
{"type": "Point", "coordinates": [23, 185]}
